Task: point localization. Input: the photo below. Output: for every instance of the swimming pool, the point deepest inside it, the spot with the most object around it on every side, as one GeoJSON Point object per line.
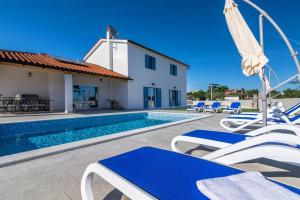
{"type": "Point", "coordinates": [26, 136]}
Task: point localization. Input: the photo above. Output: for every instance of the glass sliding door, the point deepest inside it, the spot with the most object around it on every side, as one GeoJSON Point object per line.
{"type": "Point", "coordinates": [174, 98]}
{"type": "Point", "coordinates": [152, 97]}
{"type": "Point", "coordinates": [92, 96]}
{"type": "Point", "coordinates": [85, 97]}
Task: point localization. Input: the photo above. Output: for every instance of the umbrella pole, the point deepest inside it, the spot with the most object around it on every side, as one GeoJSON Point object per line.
{"type": "Point", "coordinates": [264, 101]}
{"type": "Point", "coordinates": [264, 87]}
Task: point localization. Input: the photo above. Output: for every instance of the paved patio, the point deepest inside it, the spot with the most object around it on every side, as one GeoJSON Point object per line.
{"type": "Point", "coordinates": [9, 117]}
{"type": "Point", "coordinates": [58, 176]}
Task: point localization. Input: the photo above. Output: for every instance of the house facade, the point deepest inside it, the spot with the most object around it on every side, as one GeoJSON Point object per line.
{"type": "Point", "coordinates": [157, 81]}
{"type": "Point", "coordinates": [139, 78]}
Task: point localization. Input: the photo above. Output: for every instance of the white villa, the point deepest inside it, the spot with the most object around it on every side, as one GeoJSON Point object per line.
{"type": "Point", "coordinates": [135, 76]}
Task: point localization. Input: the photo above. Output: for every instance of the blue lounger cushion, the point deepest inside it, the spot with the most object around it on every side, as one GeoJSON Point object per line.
{"type": "Point", "coordinates": [230, 138]}
{"type": "Point", "coordinates": [234, 106]}
{"type": "Point", "coordinates": [217, 136]}
{"type": "Point", "coordinates": [242, 118]}
{"type": "Point", "coordinates": [168, 175]}
{"type": "Point", "coordinates": [292, 109]}
{"type": "Point", "coordinates": [200, 105]}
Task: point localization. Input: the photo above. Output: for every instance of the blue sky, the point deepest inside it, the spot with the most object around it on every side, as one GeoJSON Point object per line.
{"type": "Point", "coordinates": [193, 31]}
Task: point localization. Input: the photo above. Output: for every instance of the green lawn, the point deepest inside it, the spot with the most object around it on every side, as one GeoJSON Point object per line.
{"type": "Point", "coordinates": [250, 110]}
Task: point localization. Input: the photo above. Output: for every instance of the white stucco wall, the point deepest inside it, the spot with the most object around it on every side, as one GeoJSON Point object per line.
{"type": "Point", "coordinates": [144, 77]}
{"type": "Point", "coordinates": [15, 80]}
{"type": "Point", "coordinates": [120, 58]}
{"type": "Point", "coordinates": [51, 84]}
{"type": "Point", "coordinates": [56, 91]}
{"type": "Point", "coordinates": [129, 59]}
{"type": "Point", "coordinates": [108, 88]}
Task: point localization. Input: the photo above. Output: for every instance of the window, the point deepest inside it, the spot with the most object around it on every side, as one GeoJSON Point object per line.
{"type": "Point", "coordinates": [174, 98]}
{"type": "Point", "coordinates": [150, 62]}
{"type": "Point", "coordinates": [173, 69]}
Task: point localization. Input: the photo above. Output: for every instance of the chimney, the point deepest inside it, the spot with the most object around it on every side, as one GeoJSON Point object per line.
{"type": "Point", "coordinates": [109, 47]}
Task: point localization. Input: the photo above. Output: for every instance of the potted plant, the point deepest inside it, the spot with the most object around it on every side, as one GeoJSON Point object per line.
{"type": "Point", "coordinates": [114, 104]}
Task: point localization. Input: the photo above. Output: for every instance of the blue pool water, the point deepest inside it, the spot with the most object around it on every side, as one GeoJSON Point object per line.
{"type": "Point", "coordinates": [26, 136]}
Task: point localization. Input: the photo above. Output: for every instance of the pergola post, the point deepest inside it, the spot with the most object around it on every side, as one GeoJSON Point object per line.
{"type": "Point", "coordinates": [68, 93]}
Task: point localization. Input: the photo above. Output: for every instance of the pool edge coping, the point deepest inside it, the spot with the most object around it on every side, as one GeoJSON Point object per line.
{"type": "Point", "coordinates": [48, 151]}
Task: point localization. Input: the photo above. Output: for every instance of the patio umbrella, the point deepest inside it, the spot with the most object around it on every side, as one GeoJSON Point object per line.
{"type": "Point", "coordinates": [253, 57]}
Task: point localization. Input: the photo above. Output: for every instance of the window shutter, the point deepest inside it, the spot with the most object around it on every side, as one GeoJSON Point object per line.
{"type": "Point", "coordinates": [146, 97]}
{"type": "Point", "coordinates": [147, 61]}
{"type": "Point", "coordinates": [170, 98]}
{"type": "Point", "coordinates": [175, 70]}
{"type": "Point", "coordinates": [179, 98]}
{"type": "Point", "coordinates": [153, 63]}
{"type": "Point", "coordinates": [158, 97]}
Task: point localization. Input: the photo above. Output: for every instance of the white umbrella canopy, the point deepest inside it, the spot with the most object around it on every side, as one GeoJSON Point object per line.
{"type": "Point", "coordinates": [253, 57]}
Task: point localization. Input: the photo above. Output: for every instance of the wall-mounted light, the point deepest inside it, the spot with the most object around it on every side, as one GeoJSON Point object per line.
{"type": "Point", "coordinates": [174, 87]}
{"type": "Point", "coordinates": [100, 80]}
{"type": "Point", "coordinates": [29, 74]}
{"type": "Point", "coordinates": [153, 84]}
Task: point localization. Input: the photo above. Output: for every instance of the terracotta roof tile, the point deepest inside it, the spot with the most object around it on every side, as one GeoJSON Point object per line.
{"type": "Point", "coordinates": [47, 61]}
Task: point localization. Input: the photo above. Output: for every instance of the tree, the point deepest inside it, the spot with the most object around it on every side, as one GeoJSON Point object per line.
{"type": "Point", "coordinates": [199, 95]}
{"type": "Point", "coordinates": [217, 91]}
{"type": "Point", "coordinates": [251, 93]}
{"type": "Point", "coordinates": [291, 93]}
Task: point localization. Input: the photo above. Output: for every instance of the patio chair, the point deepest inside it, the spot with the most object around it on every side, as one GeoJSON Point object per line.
{"type": "Point", "coordinates": [10, 104]}
{"type": "Point", "coordinates": [43, 105]}
{"type": "Point", "coordinates": [151, 173]}
{"type": "Point", "coordinates": [235, 108]}
{"type": "Point", "coordinates": [238, 147]}
{"type": "Point", "coordinates": [197, 108]}
{"type": "Point", "coordinates": [31, 102]}
{"type": "Point", "coordinates": [3, 107]}
{"type": "Point", "coordinates": [236, 123]}
{"type": "Point", "coordinates": [215, 108]}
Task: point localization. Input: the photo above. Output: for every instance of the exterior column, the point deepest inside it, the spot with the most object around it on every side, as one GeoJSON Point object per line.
{"type": "Point", "coordinates": [68, 93]}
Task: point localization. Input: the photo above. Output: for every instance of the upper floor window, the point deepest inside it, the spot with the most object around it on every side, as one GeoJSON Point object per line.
{"type": "Point", "coordinates": [173, 69]}
{"type": "Point", "coordinates": [150, 62]}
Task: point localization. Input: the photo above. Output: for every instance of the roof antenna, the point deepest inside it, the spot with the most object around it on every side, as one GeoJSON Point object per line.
{"type": "Point", "coordinates": [111, 33]}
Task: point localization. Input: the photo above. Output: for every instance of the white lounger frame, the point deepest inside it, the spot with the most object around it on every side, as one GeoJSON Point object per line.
{"type": "Point", "coordinates": [195, 109]}
{"type": "Point", "coordinates": [129, 190]}
{"type": "Point", "coordinates": [235, 111]}
{"type": "Point", "coordinates": [243, 123]}
{"type": "Point", "coordinates": [274, 152]}
{"type": "Point", "coordinates": [212, 110]}
{"type": "Point", "coordinates": [248, 149]}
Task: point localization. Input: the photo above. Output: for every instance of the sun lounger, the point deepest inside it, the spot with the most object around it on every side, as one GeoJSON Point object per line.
{"type": "Point", "coordinates": [199, 107]}
{"type": "Point", "coordinates": [235, 107]}
{"type": "Point", "coordinates": [240, 147]}
{"type": "Point", "coordinates": [236, 123]}
{"type": "Point", "coordinates": [215, 108]}
{"type": "Point", "coordinates": [277, 109]}
{"type": "Point", "coordinates": [150, 173]}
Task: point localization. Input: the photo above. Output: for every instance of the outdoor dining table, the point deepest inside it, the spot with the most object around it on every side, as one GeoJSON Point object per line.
{"type": "Point", "coordinates": [21, 105]}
